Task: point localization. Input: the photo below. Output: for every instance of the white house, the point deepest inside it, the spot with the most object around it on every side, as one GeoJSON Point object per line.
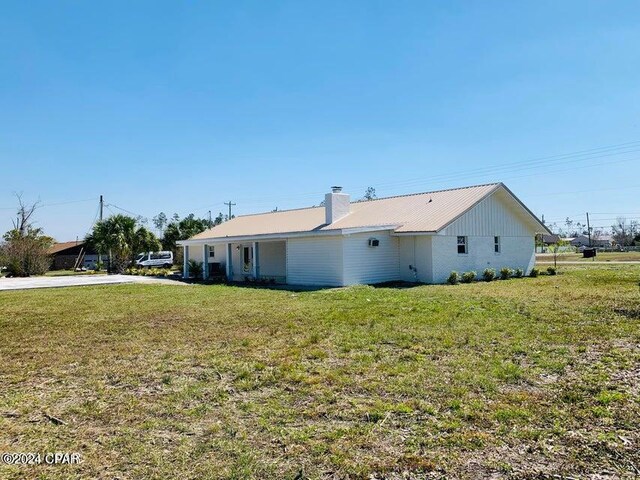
{"type": "Point", "coordinates": [417, 238]}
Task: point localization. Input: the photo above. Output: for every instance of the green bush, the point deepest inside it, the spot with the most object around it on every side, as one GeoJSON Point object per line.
{"type": "Point", "coordinates": [489, 274]}
{"type": "Point", "coordinates": [552, 270]}
{"type": "Point", "coordinates": [454, 278]}
{"type": "Point", "coordinates": [534, 272]}
{"type": "Point", "coordinates": [195, 268]}
{"type": "Point", "coordinates": [519, 273]}
{"type": "Point", "coordinates": [505, 273]}
{"type": "Point", "coordinates": [468, 277]}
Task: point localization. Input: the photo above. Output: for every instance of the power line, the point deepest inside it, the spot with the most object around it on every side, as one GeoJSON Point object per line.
{"type": "Point", "coordinates": [54, 204]}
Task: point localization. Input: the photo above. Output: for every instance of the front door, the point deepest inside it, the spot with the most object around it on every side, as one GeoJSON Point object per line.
{"type": "Point", "coordinates": [247, 260]}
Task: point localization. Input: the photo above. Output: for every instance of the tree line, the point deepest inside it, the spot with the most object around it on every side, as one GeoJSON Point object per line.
{"type": "Point", "coordinates": [24, 250]}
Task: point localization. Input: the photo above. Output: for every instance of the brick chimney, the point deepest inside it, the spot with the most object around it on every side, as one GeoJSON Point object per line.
{"type": "Point", "coordinates": [336, 205]}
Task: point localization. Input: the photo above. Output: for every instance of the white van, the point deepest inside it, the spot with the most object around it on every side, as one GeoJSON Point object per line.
{"type": "Point", "coordinates": [155, 259]}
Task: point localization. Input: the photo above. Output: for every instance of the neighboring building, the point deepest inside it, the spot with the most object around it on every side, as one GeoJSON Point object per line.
{"type": "Point", "coordinates": [543, 241]}
{"type": "Point", "coordinates": [417, 238]}
{"type": "Point", "coordinates": [66, 254]}
{"type": "Point", "coordinates": [600, 241]}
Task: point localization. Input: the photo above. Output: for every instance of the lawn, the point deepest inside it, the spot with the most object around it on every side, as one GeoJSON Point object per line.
{"type": "Point", "coordinates": [600, 257]}
{"type": "Point", "coordinates": [524, 378]}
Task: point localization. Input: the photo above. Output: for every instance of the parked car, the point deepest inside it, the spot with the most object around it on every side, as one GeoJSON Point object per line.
{"type": "Point", "coordinates": [155, 259]}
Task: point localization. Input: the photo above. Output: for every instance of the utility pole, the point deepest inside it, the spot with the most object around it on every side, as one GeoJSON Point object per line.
{"type": "Point", "coordinates": [210, 222]}
{"type": "Point", "coordinates": [588, 229]}
{"type": "Point", "coordinates": [100, 220]}
{"type": "Point", "coordinates": [229, 204]}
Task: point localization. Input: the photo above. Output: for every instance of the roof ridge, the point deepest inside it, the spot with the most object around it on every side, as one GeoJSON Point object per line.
{"type": "Point", "coordinates": [432, 191]}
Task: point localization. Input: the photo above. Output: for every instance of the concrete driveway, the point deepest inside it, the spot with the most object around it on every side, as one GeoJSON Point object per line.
{"type": "Point", "coordinates": [79, 281]}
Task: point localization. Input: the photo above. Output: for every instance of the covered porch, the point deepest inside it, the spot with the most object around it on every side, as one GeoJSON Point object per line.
{"type": "Point", "coordinates": [240, 261]}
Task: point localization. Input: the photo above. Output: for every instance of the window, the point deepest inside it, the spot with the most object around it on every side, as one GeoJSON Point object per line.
{"type": "Point", "coordinates": [165, 256]}
{"type": "Point", "coordinates": [155, 256]}
{"type": "Point", "coordinates": [246, 255]}
{"type": "Point", "coordinates": [496, 244]}
{"type": "Point", "coordinates": [462, 244]}
{"type": "Point", "coordinates": [212, 252]}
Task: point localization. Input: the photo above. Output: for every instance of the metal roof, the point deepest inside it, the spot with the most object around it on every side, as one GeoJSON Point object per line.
{"type": "Point", "coordinates": [418, 212]}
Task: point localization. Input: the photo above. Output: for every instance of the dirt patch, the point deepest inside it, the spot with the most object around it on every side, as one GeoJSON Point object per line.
{"type": "Point", "coordinates": [628, 312]}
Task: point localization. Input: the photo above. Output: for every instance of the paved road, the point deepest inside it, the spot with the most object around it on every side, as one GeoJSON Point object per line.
{"type": "Point", "coordinates": [78, 281]}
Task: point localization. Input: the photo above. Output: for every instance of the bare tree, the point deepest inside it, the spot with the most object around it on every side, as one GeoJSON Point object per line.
{"type": "Point", "coordinates": [624, 231]}
{"type": "Point", "coordinates": [25, 212]}
{"type": "Point", "coordinates": [24, 249]}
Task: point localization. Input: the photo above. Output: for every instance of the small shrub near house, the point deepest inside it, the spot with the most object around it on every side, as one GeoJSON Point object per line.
{"type": "Point", "coordinates": [489, 274]}
{"type": "Point", "coordinates": [519, 273]}
{"type": "Point", "coordinates": [454, 278]}
{"type": "Point", "coordinates": [534, 272]}
{"type": "Point", "coordinates": [552, 270]}
{"type": "Point", "coordinates": [195, 269]}
{"type": "Point", "coordinates": [468, 277]}
{"type": "Point", "coordinates": [506, 273]}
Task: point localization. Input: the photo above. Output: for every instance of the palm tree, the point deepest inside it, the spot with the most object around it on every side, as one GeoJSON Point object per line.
{"type": "Point", "coordinates": [120, 238]}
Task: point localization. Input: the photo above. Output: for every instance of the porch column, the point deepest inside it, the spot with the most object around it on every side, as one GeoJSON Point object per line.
{"type": "Point", "coordinates": [205, 262]}
{"type": "Point", "coordinates": [256, 261]}
{"type": "Point", "coordinates": [229, 266]}
{"type": "Point", "coordinates": [185, 262]}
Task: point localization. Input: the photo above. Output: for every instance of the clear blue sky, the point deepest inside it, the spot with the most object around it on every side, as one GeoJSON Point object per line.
{"type": "Point", "coordinates": [181, 106]}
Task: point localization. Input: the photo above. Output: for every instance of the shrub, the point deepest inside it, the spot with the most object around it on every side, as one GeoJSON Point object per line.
{"type": "Point", "coordinates": [534, 272]}
{"type": "Point", "coordinates": [195, 268]}
{"type": "Point", "coordinates": [552, 270]}
{"type": "Point", "coordinates": [454, 278]}
{"type": "Point", "coordinates": [468, 277]}
{"type": "Point", "coordinates": [519, 273]}
{"type": "Point", "coordinates": [488, 274]}
{"type": "Point", "coordinates": [505, 273]}
{"type": "Point", "coordinates": [25, 254]}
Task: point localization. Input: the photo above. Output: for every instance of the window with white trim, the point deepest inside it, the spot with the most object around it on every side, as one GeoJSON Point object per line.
{"type": "Point", "coordinates": [496, 244]}
{"type": "Point", "coordinates": [462, 245]}
{"type": "Point", "coordinates": [212, 251]}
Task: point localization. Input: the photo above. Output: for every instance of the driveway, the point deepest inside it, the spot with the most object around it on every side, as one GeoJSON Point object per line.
{"type": "Point", "coordinates": [79, 281]}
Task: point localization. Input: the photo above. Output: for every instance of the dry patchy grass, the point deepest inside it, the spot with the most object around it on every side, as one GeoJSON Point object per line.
{"type": "Point", "coordinates": [522, 378]}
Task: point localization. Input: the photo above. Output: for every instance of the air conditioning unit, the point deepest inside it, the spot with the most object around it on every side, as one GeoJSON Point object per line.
{"type": "Point", "coordinates": [374, 242]}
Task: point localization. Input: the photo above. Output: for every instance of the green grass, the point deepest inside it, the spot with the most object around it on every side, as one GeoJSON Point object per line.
{"type": "Point", "coordinates": [512, 378]}
{"type": "Point", "coordinates": [600, 257]}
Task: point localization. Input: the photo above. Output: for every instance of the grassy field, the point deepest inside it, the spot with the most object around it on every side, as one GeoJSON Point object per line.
{"type": "Point", "coordinates": [600, 257]}
{"type": "Point", "coordinates": [525, 378]}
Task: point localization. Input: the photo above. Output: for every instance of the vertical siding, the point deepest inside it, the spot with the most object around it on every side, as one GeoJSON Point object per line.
{"type": "Point", "coordinates": [496, 215]}
{"type": "Point", "coordinates": [365, 264]}
{"type": "Point", "coordinates": [315, 261]}
{"type": "Point", "coordinates": [492, 216]}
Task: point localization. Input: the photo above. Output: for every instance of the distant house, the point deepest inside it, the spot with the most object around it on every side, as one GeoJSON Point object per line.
{"type": "Point", "coordinates": [543, 241]}
{"type": "Point", "coordinates": [67, 254]}
{"type": "Point", "coordinates": [417, 238]}
{"type": "Point", "coordinates": [600, 241]}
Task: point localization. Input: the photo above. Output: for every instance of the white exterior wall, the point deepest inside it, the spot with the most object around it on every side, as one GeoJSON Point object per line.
{"type": "Point", "coordinates": [220, 250]}
{"type": "Point", "coordinates": [416, 251]}
{"type": "Point", "coordinates": [515, 252]}
{"type": "Point", "coordinates": [365, 264]}
{"type": "Point", "coordinates": [315, 261]}
{"type": "Point", "coordinates": [272, 259]}
{"type": "Point", "coordinates": [493, 216]}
